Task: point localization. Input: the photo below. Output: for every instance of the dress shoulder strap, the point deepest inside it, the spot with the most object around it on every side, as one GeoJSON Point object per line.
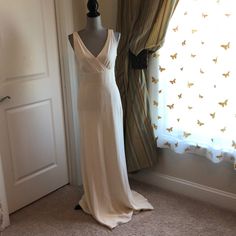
{"type": "Point", "coordinates": [114, 37]}
{"type": "Point", "coordinates": [77, 44]}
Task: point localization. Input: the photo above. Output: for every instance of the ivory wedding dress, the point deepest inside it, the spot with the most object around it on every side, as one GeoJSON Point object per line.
{"type": "Point", "coordinates": [107, 194]}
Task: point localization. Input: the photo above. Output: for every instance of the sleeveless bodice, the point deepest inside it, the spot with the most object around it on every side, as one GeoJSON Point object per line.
{"type": "Point", "coordinates": [104, 61]}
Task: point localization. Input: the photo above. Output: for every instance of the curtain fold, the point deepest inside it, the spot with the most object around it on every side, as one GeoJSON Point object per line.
{"type": "Point", "coordinates": [143, 25]}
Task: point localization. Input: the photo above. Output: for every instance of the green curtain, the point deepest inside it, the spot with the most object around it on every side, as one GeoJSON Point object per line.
{"type": "Point", "coordinates": [143, 24]}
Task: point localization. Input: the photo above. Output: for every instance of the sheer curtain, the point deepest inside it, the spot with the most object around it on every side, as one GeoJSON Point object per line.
{"type": "Point", "coordinates": [193, 81]}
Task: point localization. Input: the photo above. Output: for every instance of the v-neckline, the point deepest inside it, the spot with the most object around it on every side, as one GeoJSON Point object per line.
{"type": "Point", "coordinates": [91, 54]}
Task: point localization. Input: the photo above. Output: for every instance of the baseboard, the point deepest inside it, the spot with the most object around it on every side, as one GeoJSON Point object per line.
{"type": "Point", "coordinates": [197, 191]}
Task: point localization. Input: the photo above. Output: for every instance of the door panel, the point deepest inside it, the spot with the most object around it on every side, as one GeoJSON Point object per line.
{"type": "Point", "coordinates": [32, 136]}
{"type": "Point", "coordinates": [24, 38]}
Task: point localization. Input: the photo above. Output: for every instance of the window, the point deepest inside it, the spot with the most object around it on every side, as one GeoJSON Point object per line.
{"type": "Point", "coordinates": [193, 80]}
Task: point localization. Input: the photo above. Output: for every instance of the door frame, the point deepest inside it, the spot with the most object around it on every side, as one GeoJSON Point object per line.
{"type": "Point", "coordinates": [65, 26]}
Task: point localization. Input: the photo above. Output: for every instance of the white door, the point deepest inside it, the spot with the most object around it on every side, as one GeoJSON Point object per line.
{"type": "Point", "coordinates": [32, 136]}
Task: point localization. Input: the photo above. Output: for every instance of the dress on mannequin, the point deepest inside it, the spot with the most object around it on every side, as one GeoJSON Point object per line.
{"type": "Point", "coordinates": [107, 194]}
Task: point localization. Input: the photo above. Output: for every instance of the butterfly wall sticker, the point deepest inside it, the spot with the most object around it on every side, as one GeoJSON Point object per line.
{"type": "Point", "coordinates": [167, 144]}
{"type": "Point", "coordinates": [171, 106]}
{"type": "Point", "coordinates": [200, 123]}
{"type": "Point", "coordinates": [219, 156]}
{"type": "Point", "coordinates": [169, 129]}
{"type": "Point", "coordinates": [162, 68]}
{"type": "Point", "coordinates": [186, 134]}
{"type": "Point", "coordinates": [154, 80]}
{"type": "Point", "coordinates": [226, 74]}
{"type": "Point", "coordinates": [155, 55]}
{"type": "Point", "coordinates": [223, 129]}
{"type": "Point", "coordinates": [174, 56]}
{"type": "Point", "coordinates": [224, 103]}
{"type": "Point", "coordinates": [233, 144]}
{"type": "Point", "coordinates": [176, 28]}
{"type": "Point", "coordinates": [215, 60]}
{"type": "Point", "coordinates": [190, 84]}
{"type": "Point", "coordinates": [225, 46]}
{"type": "Point", "coordinates": [155, 103]}
{"type": "Point", "coordinates": [213, 115]}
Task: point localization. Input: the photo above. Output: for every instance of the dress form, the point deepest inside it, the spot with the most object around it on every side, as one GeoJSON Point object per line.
{"type": "Point", "coordinates": [107, 195]}
{"type": "Point", "coordinates": [93, 35]}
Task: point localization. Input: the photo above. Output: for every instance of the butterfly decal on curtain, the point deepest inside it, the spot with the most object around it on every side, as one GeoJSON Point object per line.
{"type": "Point", "coordinates": [193, 83]}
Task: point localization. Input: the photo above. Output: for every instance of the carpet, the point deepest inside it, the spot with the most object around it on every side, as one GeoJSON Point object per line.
{"type": "Point", "coordinates": [174, 215]}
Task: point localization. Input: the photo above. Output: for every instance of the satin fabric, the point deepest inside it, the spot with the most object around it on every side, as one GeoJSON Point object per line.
{"type": "Point", "coordinates": [107, 194]}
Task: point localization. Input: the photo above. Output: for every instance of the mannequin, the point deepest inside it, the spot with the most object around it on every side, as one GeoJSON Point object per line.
{"type": "Point", "coordinates": [107, 195]}
{"type": "Point", "coordinates": [94, 35]}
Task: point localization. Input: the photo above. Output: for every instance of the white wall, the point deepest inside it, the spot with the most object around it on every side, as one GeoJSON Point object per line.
{"type": "Point", "coordinates": [198, 169]}
{"type": "Point", "coordinates": [193, 176]}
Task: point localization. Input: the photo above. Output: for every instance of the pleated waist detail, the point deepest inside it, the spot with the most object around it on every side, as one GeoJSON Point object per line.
{"type": "Point", "coordinates": [97, 77]}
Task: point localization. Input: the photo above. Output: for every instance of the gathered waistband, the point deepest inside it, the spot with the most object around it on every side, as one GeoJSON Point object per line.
{"type": "Point", "coordinates": [100, 76]}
